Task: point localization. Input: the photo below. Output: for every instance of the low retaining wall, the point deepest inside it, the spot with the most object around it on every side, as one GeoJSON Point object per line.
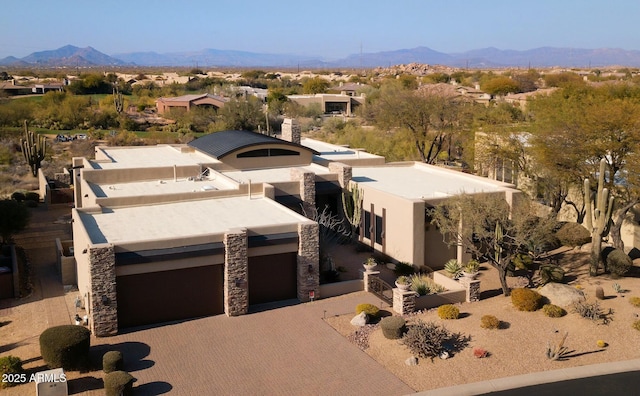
{"type": "Point", "coordinates": [66, 262]}
{"type": "Point", "coordinates": [339, 288]}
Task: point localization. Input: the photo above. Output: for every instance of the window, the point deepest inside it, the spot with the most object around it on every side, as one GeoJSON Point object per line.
{"type": "Point", "coordinates": [272, 152]}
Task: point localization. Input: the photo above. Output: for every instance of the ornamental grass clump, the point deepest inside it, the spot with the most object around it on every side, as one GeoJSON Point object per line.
{"type": "Point", "coordinates": [553, 311]}
{"type": "Point", "coordinates": [635, 301]}
{"type": "Point", "coordinates": [448, 311]}
{"type": "Point", "coordinates": [489, 322]}
{"type": "Point", "coordinates": [393, 327]}
{"type": "Point", "coordinates": [526, 299]}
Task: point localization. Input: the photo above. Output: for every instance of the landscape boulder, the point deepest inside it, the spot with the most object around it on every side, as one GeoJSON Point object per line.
{"type": "Point", "coordinates": [560, 294]}
{"type": "Point", "coordinates": [359, 320]}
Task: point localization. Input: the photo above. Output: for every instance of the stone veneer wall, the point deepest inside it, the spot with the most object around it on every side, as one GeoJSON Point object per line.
{"type": "Point", "coordinates": [404, 301]}
{"type": "Point", "coordinates": [104, 303]}
{"type": "Point", "coordinates": [472, 287]}
{"type": "Point", "coordinates": [307, 182]}
{"type": "Point", "coordinates": [345, 173]}
{"type": "Point", "coordinates": [308, 261]}
{"type": "Point", "coordinates": [291, 131]}
{"type": "Point", "coordinates": [236, 270]}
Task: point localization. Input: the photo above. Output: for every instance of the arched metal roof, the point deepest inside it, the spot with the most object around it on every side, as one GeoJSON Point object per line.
{"type": "Point", "coordinates": [220, 144]}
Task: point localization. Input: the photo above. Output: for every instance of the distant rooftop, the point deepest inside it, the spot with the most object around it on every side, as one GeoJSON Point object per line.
{"type": "Point", "coordinates": [147, 157]}
{"type": "Point", "coordinates": [186, 219]}
{"type": "Point", "coordinates": [422, 181]}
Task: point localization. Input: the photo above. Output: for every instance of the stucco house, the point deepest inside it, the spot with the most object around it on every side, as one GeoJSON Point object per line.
{"type": "Point", "coordinates": [171, 232]}
{"type": "Point", "coordinates": [187, 102]}
{"type": "Point", "coordinates": [343, 104]}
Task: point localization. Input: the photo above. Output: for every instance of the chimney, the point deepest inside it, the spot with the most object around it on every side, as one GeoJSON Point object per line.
{"type": "Point", "coordinates": [291, 130]}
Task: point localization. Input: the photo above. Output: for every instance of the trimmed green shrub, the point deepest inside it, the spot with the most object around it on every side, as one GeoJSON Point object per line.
{"type": "Point", "coordinates": [553, 311]}
{"type": "Point", "coordinates": [18, 196]}
{"type": "Point", "coordinates": [573, 234]}
{"type": "Point", "coordinates": [551, 273]}
{"type": "Point", "coordinates": [489, 322]}
{"type": "Point", "coordinates": [32, 196]}
{"type": "Point", "coordinates": [448, 311]}
{"type": "Point", "coordinates": [403, 269]}
{"type": "Point", "coordinates": [112, 361]}
{"type": "Point", "coordinates": [65, 346]}
{"type": "Point", "coordinates": [618, 262]}
{"type": "Point", "coordinates": [635, 301]}
{"type": "Point", "coordinates": [393, 327]}
{"type": "Point", "coordinates": [118, 383]}
{"type": "Point", "coordinates": [369, 309]}
{"type": "Point", "coordinates": [525, 299]}
{"type": "Point", "coordinates": [636, 325]}
{"type": "Point", "coordinates": [9, 365]}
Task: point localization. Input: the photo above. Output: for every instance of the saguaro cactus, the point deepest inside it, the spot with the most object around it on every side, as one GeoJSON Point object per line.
{"type": "Point", "coordinates": [352, 207]}
{"type": "Point", "coordinates": [118, 100]}
{"type": "Point", "coordinates": [34, 148]}
{"type": "Point", "coordinates": [598, 217]}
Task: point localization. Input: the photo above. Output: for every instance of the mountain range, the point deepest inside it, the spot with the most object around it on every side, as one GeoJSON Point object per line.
{"type": "Point", "coordinates": [71, 56]}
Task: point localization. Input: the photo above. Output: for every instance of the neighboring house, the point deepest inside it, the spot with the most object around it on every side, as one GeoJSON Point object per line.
{"type": "Point", "coordinates": [10, 88]}
{"type": "Point", "coordinates": [187, 102]}
{"type": "Point", "coordinates": [349, 89]}
{"type": "Point", "coordinates": [44, 88]}
{"type": "Point", "coordinates": [172, 232]}
{"type": "Point", "coordinates": [331, 103]}
{"type": "Point", "coordinates": [521, 100]}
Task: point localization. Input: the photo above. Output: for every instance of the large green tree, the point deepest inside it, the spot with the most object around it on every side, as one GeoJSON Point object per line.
{"type": "Point", "coordinates": [432, 117]}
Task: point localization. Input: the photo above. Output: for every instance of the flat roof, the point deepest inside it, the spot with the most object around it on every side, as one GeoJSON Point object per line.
{"type": "Point", "coordinates": [185, 219]}
{"type": "Point", "coordinates": [421, 181]}
{"type": "Point", "coordinates": [162, 186]}
{"type": "Point", "coordinates": [334, 152]}
{"type": "Point", "coordinates": [149, 157]}
{"type": "Point", "coordinates": [273, 175]}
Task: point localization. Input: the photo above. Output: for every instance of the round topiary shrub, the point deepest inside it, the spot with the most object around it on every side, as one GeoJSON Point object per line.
{"type": "Point", "coordinates": [65, 346]}
{"type": "Point", "coordinates": [636, 325]}
{"type": "Point", "coordinates": [118, 383]}
{"type": "Point", "coordinates": [553, 311]}
{"type": "Point", "coordinates": [573, 234]}
{"type": "Point", "coordinates": [393, 327]}
{"type": "Point", "coordinates": [618, 262]}
{"type": "Point", "coordinates": [370, 309]}
{"type": "Point", "coordinates": [448, 311]}
{"type": "Point", "coordinates": [525, 299]}
{"type": "Point", "coordinates": [489, 322]}
{"type": "Point", "coordinates": [551, 273]}
{"type": "Point", "coordinates": [9, 366]}
{"type": "Point", "coordinates": [635, 301]}
{"type": "Point", "coordinates": [112, 361]}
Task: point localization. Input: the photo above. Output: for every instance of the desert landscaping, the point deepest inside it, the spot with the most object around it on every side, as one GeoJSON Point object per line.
{"type": "Point", "coordinates": [519, 345]}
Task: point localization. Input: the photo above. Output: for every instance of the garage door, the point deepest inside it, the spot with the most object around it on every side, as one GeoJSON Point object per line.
{"type": "Point", "coordinates": [272, 278]}
{"type": "Point", "coordinates": [164, 296]}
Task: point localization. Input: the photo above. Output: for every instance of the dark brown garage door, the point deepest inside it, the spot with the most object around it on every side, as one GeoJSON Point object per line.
{"type": "Point", "coordinates": [272, 278]}
{"type": "Point", "coordinates": [164, 296]}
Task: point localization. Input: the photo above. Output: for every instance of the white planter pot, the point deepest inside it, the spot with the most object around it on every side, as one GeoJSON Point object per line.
{"type": "Point", "coordinates": [403, 287]}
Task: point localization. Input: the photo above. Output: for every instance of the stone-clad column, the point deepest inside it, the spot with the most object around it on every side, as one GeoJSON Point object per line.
{"type": "Point", "coordinates": [472, 287]}
{"type": "Point", "coordinates": [344, 172]}
{"type": "Point", "coordinates": [307, 182]}
{"type": "Point", "coordinates": [308, 261]}
{"type": "Point", "coordinates": [236, 270]}
{"type": "Point", "coordinates": [291, 131]}
{"type": "Point", "coordinates": [404, 301]}
{"type": "Point", "coordinates": [104, 302]}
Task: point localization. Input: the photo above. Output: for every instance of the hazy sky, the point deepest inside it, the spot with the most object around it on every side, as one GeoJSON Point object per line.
{"type": "Point", "coordinates": [328, 29]}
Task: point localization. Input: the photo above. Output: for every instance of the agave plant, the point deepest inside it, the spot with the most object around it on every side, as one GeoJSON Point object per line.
{"type": "Point", "coordinates": [453, 267]}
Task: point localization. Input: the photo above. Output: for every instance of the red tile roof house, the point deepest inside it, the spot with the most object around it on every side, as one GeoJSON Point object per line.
{"type": "Point", "coordinates": [188, 101]}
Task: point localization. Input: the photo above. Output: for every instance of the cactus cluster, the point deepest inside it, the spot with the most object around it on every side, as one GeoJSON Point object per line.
{"type": "Point", "coordinates": [352, 207]}
{"type": "Point", "coordinates": [34, 148]}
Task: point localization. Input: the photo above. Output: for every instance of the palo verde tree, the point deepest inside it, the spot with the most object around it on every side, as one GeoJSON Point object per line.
{"type": "Point", "coordinates": [489, 229]}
